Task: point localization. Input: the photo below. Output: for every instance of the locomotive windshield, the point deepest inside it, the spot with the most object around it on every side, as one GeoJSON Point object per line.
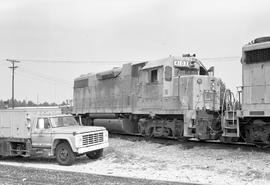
{"type": "Point", "coordinates": [189, 66]}
{"type": "Point", "coordinates": [185, 71]}
{"type": "Point", "coordinates": [257, 56]}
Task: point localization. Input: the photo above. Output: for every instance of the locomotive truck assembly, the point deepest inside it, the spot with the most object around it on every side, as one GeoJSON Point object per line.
{"type": "Point", "coordinates": [177, 97]}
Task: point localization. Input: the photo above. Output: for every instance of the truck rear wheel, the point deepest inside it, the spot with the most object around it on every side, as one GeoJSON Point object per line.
{"type": "Point", "coordinates": [95, 154]}
{"type": "Point", "coordinates": [64, 154]}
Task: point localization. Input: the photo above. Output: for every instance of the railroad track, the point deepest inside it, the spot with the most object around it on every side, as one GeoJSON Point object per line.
{"type": "Point", "coordinates": [190, 143]}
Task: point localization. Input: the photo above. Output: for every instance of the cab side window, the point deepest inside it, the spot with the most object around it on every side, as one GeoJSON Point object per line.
{"type": "Point", "coordinates": [153, 76]}
{"type": "Point", "coordinates": [43, 123]}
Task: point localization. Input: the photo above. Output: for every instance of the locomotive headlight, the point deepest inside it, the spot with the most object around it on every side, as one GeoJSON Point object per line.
{"type": "Point", "coordinates": [199, 81]}
{"type": "Point", "coordinates": [213, 85]}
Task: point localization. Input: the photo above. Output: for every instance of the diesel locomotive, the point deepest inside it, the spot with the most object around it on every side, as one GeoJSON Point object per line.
{"type": "Point", "coordinates": [177, 97]}
{"type": "Point", "coordinates": [173, 97]}
{"type": "Point", "coordinates": [250, 122]}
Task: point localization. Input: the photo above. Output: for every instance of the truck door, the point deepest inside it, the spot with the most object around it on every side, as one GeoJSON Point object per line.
{"type": "Point", "coordinates": [42, 134]}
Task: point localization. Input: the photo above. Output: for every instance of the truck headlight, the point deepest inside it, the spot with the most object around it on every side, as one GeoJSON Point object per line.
{"type": "Point", "coordinates": [106, 136]}
{"type": "Point", "coordinates": [78, 141]}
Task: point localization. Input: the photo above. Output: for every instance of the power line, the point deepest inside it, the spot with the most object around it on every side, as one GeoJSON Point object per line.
{"type": "Point", "coordinates": [46, 76]}
{"type": "Point", "coordinates": [54, 79]}
{"type": "Point", "coordinates": [222, 58]}
{"type": "Point", "coordinates": [115, 61]}
{"type": "Point", "coordinates": [3, 62]}
{"type": "Point", "coordinates": [35, 77]}
{"type": "Point", "coordinates": [73, 61]}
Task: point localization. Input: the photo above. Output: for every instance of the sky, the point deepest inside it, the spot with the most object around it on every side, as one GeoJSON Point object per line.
{"type": "Point", "coordinates": [57, 41]}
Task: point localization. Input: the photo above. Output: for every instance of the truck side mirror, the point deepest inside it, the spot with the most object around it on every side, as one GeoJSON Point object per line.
{"type": "Point", "coordinates": [28, 121]}
{"type": "Point", "coordinates": [80, 119]}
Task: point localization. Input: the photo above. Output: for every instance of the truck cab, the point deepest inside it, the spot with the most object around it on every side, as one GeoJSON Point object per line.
{"type": "Point", "coordinates": [31, 133]}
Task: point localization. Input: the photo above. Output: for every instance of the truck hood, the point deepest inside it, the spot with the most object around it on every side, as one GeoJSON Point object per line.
{"type": "Point", "coordinates": [77, 129]}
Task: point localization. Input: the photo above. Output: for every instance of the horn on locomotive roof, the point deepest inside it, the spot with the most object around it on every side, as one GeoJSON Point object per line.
{"type": "Point", "coordinates": [189, 55]}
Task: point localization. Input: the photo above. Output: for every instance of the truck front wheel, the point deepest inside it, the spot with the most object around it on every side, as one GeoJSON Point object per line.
{"type": "Point", "coordinates": [64, 154]}
{"type": "Point", "coordinates": [95, 154]}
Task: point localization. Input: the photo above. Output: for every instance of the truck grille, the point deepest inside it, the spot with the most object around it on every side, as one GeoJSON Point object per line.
{"type": "Point", "coordinates": [92, 139]}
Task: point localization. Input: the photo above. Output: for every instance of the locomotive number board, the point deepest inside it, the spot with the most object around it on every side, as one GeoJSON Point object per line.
{"type": "Point", "coordinates": [181, 63]}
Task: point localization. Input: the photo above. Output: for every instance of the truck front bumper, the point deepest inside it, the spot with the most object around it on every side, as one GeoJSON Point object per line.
{"type": "Point", "coordinates": [83, 150]}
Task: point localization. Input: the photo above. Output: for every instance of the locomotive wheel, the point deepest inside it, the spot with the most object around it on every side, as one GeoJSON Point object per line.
{"type": "Point", "coordinates": [262, 145]}
{"type": "Point", "coordinates": [64, 154]}
{"type": "Point", "coordinates": [141, 130]}
{"type": "Point", "coordinates": [17, 156]}
{"type": "Point", "coordinates": [151, 132]}
{"type": "Point", "coordinates": [228, 139]}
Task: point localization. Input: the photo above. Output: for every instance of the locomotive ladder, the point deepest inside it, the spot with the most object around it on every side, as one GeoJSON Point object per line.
{"type": "Point", "coordinates": [230, 124]}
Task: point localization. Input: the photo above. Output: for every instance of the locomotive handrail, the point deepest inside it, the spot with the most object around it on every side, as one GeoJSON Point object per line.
{"type": "Point", "coordinates": [224, 100]}
{"type": "Point", "coordinates": [255, 85]}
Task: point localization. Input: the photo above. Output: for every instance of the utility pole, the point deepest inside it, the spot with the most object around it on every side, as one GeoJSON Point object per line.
{"type": "Point", "coordinates": [13, 67]}
{"type": "Point", "coordinates": [37, 99]}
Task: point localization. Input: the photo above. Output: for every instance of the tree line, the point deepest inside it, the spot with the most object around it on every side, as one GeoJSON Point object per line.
{"type": "Point", "coordinates": [23, 103]}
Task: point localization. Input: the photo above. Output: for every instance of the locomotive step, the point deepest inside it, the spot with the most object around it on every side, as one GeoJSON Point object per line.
{"type": "Point", "coordinates": [231, 119]}
{"type": "Point", "coordinates": [235, 127]}
{"type": "Point", "coordinates": [229, 135]}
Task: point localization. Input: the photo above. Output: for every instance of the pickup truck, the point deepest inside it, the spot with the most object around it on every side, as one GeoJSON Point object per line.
{"type": "Point", "coordinates": [35, 132]}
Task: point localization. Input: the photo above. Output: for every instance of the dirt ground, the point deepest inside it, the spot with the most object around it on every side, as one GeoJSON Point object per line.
{"type": "Point", "coordinates": [184, 162]}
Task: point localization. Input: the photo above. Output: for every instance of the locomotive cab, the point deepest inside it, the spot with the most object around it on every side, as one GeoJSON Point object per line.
{"type": "Point", "coordinates": [251, 121]}
{"type": "Point", "coordinates": [256, 79]}
{"type": "Point", "coordinates": [179, 88]}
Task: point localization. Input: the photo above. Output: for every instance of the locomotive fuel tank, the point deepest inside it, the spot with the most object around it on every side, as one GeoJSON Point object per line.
{"type": "Point", "coordinates": [122, 126]}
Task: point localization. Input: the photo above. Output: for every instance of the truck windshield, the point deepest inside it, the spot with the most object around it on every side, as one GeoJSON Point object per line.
{"type": "Point", "coordinates": [63, 121]}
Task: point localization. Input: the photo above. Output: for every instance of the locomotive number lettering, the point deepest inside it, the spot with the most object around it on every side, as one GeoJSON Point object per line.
{"type": "Point", "coordinates": [181, 63]}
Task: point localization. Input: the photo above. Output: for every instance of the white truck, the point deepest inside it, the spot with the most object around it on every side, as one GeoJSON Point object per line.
{"type": "Point", "coordinates": [47, 132]}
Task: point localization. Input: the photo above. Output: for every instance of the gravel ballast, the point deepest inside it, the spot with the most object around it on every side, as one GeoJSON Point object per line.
{"type": "Point", "coordinates": [183, 162]}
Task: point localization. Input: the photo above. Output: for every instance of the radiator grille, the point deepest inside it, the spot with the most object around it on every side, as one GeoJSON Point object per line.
{"type": "Point", "coordinates": [92, 139]}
